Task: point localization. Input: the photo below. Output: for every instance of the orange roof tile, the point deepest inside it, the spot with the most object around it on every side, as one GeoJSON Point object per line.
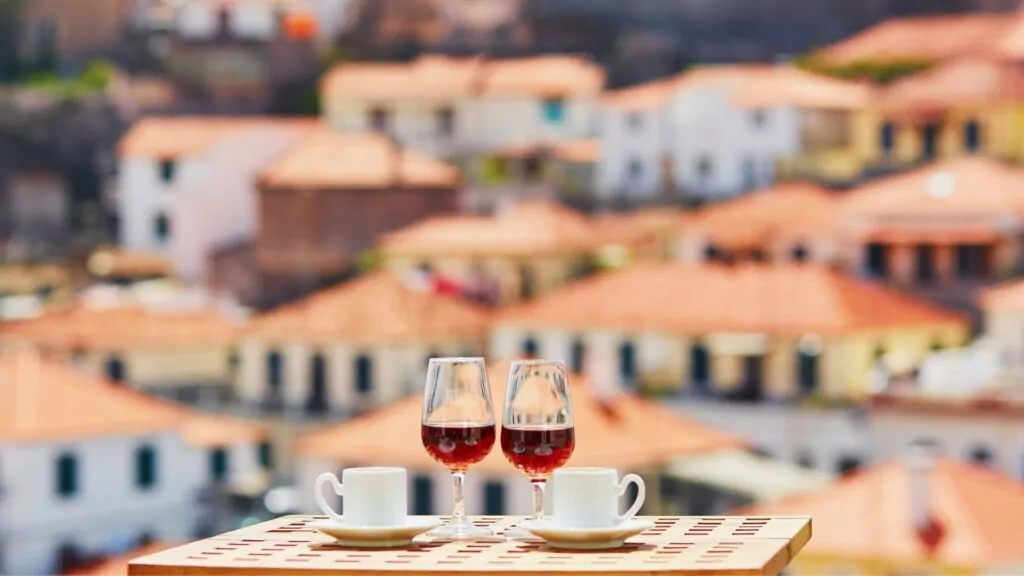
{"type": "Point", "coordinates": [796, 210]}
{"type": "Point", "coordinates": [922, 38]}
{"type": "Point", "coordinates": [704, 298]}
{"type": "Point", "coordinates": [647, 96]}
{"type": "Point", "coordinates": [376, 309]}
{"type": "Point", "coordinates": [327, 158]}
{"type": "Point", "coordinates": [123, 327]}
{"type": "Point", "coordinates": [175, 136]}
{"type": "Point", "coordinates": [447, 78]}
{"type": "Point", "coordinates": [762, 86]}
{"type": "Point", "coordinates": [44, 400]}
{"type": "Point", "coordinates": [966, 82]}
{"type": "Point", "coordinates": [868, 515]}
{"type": "Point", "coordinates": [962, 187]}
{"type": "Point", "coordinates": [624, 431]}
{"type": "Point", "coordinates": [118, 566]}
{"type": "Point", "coordinates": [524, 229]}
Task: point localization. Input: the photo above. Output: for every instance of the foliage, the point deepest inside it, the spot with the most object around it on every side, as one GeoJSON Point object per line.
{"type": "Point", "coordinates": [880, 72]}
{"type": "Point", "coordinates": [368, 261]}
{"type": "Point", "coordinates": [94, 78]}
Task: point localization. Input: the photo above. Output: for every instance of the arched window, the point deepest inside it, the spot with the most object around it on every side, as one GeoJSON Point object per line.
{"type": "Point", "coordinates": [145, 468]}
{"type": "Point", "coordinates": [364, 374]}
{"type": "Point", "coordinates": [627, 361]}
{"type": "Point", "coordinates": [530, 348]}
{"type": "Point", "coordinates": [981, 455]}
{"type": "Point", "coordinates": [577, 351]}
{"type": "Point", "coordinates": [318, 383]}
{"type": "Point", "coordinates": [115, 369]}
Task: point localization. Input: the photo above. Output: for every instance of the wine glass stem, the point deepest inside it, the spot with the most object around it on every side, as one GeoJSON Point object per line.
{"type": "Point", "coordinates": [538, 497]}
{"type": "Point", "coordinates": [459, 507]}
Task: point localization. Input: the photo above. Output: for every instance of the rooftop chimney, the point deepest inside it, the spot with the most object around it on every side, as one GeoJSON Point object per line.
{"type": "Point", "coordinates": [921, 467]}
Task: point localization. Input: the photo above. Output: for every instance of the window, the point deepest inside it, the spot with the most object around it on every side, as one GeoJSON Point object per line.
{"type": "Point", "coordinates": [877, 260]}
{"type": "Point", "coordinates": [704, 167]}
{"type": "Point", "coordinates": [526, 283]}
{"type": "Point", "coordinates": [234, 361]}
{"type": "Point", "coordinates": [634, 171]}
{"type": "Point", "coordinates": [750, 173]}
{"type": "Point", "coordinates": [530, 348]}
{"type": "Point", "coordinates": [554, 110]}
{"type": "Point", "coordinates": [168, 170]}
{"type": "Point", "coordinates": [805, 460]}
{"type": "Point", "coordinates": [266, 455]}
{"type": "Point", "coordinates": [379, 119]}
{"type": "Point", "coordinates": [274, 370]}
{"type": "Point", "coordinates": [924, 263]}
{"type": "Point", "coordinates": [161, 228]}
{"type": "Point", "coordinates": [494, 498]}
{"type": "Point", "coordinates": [758, 118]}
{"type": "Point", "coordinates": [627, 361]}
{"type": "Point", "coordinates": [700, 364]}
{"type": "Point", "coordinates": [114, 368]}
{"type": "Point", "coordinates": [67, 475]}
{"type": "Point", "coordinates": [219, 465]}
{"type": "Point", "coordinates": [145, 468]}
{"type": "Point", "coordinates": [848, 465]}
{"type": "Point", "coordinates": [576, 352]}
{"type": "Point", "coordinates": [972, 136]}
{"type": "Point", "coordinates": [318, 384]}
{"type": "Point", "coordinates": [981, 455]}
{"type": "Point", "coordinates": [888, 137]}
{"type": "Point", "coordinates": [364, 374]}
{"type": "Point", "coordinates": [711, 253]}
{"type": "Point", "coordinates": [635, 121]}
{"type": "Point", "coordinates": [930, 141]}
{"type": "Point", "coordinates": [445, 122]}
{"type": "Point", "coordinates": [422, 495]}
{"type": "Point", "coordinates": [972, 261]}
{"type": "Point", "coordinates": [799, 253]}
{"type": "Point", "coordinates": [807, 371]}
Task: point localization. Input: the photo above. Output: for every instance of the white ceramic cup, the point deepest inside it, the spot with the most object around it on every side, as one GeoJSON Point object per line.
{"type": "Point", "coordinates": [372, 496]}
{"type": "Point", "coordinates": [589, 497]}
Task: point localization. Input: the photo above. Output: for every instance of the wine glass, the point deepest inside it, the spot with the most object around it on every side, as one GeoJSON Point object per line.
{"type": "Point", "coordinates": [458, 429]}
{"type": "Point", "coordinates": [537, 434]}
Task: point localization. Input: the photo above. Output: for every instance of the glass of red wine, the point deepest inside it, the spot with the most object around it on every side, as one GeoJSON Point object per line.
{"type": "Point", "coordinates": [537, 434]}
{"type": "Point", "coordinates": [458, 429]}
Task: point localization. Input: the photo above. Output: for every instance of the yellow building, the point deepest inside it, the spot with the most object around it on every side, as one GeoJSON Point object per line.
{"type": "Point", "coordinates": [925, 516]}
{"type": "Point", "coordinates": [748, 332]}
{"type": "Point", "coordinates": [526, 250]}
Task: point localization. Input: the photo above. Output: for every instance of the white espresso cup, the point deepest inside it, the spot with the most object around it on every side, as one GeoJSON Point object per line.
{"type": "Point", "coordinates": [372, 496]}
{"type": "Point", "coordinates": [589, 497]}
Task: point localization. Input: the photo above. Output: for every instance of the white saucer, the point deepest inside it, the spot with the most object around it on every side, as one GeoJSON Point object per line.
{"type": "Point", "coordinates": [376, 536]}
{"type": "Point", "coordinates": [585, 538]}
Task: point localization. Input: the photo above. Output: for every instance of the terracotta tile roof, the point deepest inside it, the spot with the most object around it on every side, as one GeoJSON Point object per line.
{"type": "Point", "coordinates": [624, 431]}
{"type": "Point", "coordinates": [647, 96]}
{"type": "Point", "coordinates": [703, 298]}
{"type": "Point", "coordinates": [964, 82]}
{"type": "Point", "coordinates": [638, 226]}
{"type": "Point", "coordinates": [962, 187]}
{"type": "Point", "coordinates": [114, 262]}
{"type": "Point", "coordinates": [123, 327]}
{"type": "Point", "coordinates": [923, 38]}
{"type": "Point", "coordinates": [447, 78]}
{"type": "Point", "coordinates": [376, 309]}
{"type": "Point", "coordinates": [526, 228]}
{"type": "Point", "coordinates": [795, 210]}
{"type": "Point", "coordinates": [868, 515]}
{"type": "Point", "coordinates": [176, 136]}
{"type": "Point", "coordinates": [788, 86]}
{"type": "Point", "coordinates": [118, 566]}
{"type": "Point", "coordinates": [43, 400]}
{"type": "Point", "coordinates": [327, 158]}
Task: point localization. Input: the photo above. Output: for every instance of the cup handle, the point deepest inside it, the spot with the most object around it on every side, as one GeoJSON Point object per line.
{"type": "Point", "coordinates": [325, 478]}
{"type": "Point", "coordinates": [641, 494]}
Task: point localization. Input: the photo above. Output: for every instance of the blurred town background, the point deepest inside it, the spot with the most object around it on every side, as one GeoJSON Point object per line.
{"type": "Point", "coordinates": [778, 243]}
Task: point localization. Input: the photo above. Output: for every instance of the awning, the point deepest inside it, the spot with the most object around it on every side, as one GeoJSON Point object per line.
{"type": "Point", "coordinates": [741, 472]}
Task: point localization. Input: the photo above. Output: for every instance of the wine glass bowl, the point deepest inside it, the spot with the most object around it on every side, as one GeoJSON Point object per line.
{"type": "Point", "coordinates": [537, 432]}
{"type": "Point", "coordinates": [457, 429]}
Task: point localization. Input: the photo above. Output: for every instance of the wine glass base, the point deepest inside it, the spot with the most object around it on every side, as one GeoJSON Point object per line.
{"type": "Point", "coordinates": [460, 532]}
{"type": "Point", "coordinates": [516, 532]}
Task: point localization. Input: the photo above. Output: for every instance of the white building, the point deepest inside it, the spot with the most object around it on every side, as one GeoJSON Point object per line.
{"type": "Point", "coordinates": [717, 131]}
{"type": "Point", "coordinates": [88, 468]}
{"type": "Point", "coordinates": [186, 186]}
{"type": "Point", "coordinates": [453, 107]}
{"type": "Point", "coordinates": [240, 19]}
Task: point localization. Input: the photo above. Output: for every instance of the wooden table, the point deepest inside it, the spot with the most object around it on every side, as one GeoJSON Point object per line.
{"type": "Point", "coordinates": [676, 545]}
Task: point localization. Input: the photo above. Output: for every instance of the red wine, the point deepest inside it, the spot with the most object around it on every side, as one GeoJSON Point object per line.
{"type": "Point", "coordinates": [538, 451]}
{"type": "Point", "coordinates": [458, 446]}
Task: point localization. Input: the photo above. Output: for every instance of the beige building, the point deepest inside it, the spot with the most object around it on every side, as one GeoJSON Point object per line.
{"type": "Point", "coordinates": [747, 332]}
{"type": "Point", "coordinates": [353, 347]}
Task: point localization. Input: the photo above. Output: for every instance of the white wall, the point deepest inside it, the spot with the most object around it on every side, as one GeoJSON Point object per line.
{"type": "Point", "coordinates": [198, 19]}
{"type": "Point", "coordinates": [626, 136]}
{"type": "Point", "coordinates": [142, 195]}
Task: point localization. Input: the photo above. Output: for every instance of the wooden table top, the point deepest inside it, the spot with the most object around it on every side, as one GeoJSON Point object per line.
{"type": "Point", "coordinates": [676, 545]}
